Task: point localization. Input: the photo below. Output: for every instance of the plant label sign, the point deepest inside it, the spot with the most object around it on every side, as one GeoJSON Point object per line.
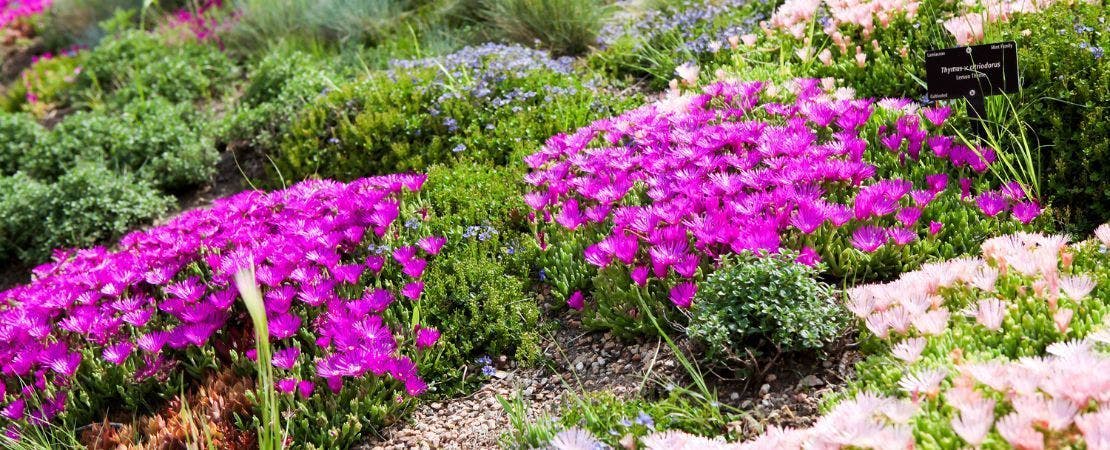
{"type": "Point", "coordinates": [972, 72]}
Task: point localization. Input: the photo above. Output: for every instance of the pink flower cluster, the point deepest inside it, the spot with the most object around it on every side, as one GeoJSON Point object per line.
{"type": "Point", "coordinates": [200, 20]}
{"type": "Point", "coordinates": [967, 27]}
{"type": "Point", "coordinates": [12, 10]}
{"type": "Point", "coordinates": [795, 17]}
{"type": "Point", "coordinates": [913, 305]}
{"type": "Point", "coordinates": [172, 286]}
{"type": "Point", "coordinates": [680, 182]}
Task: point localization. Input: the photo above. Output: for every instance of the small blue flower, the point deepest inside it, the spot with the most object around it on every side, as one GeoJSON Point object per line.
{"type": "Point", "coordinates": [488, 371]}
{"type": "Point", "coordinates": [645, 420]}
{"type": "Point", "coordinates": [459, 148]}
{"type": "Point", "coordinates": [484, 360]}
{"type": "Point", "coordinates": [333, 140]}
{"type": "Point", "coordinates": [543, 275]}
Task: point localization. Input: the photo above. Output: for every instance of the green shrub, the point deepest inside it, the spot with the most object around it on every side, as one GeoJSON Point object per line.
{"type": "Point", "coordinates": [566, 27]}
{"type": "Point", "coordinates": [477, 291]}
{"type": "Point", "coordinates": [1067, 102]}
{"type": "Point", "coordinates": [651, 42]}
{"type": "Point", "coordinates": [481, 306]}
{"type": "Point", "coordinates": [18, 133]}
{"type": "Point", "coordinates": [470, 193]}
{"type": "Point", "coordinates": [280, 85]}
{"type": "Point", "coordinates": [491, 103]}
{"type": "Point", "coordinates": [139, 65]}
{"type": "Point", "coordinates": [772, 299]}
{"type": "Point", "coordinates": [163, 143]}
{"type": "Point", "coordinates": [87, 205]}
{"type": "Point", "coordinates": [22, 216]}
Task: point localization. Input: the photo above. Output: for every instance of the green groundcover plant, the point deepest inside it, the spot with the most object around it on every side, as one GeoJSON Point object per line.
{"type": "Point", "coordinates": [482, 103]}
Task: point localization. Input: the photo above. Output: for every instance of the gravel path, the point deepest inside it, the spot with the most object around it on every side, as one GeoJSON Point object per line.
{"type": "Point", "coordinates": [593, 362]}
{"type": "Point", "coordinates": [585, 362]}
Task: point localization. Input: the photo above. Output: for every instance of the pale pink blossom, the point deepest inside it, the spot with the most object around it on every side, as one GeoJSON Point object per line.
{"type": "Point", "coordinates": [1096, 429]}
{"type": "Point", "coordinates": [879, 324]}
{"type": "Point", "coordinates": [909, 350]}
{"type": "Point", "coordinates": [933, 322]}
{"type": "Point", "coordinates": [985, 278]}
{"type": "Point", "coordinates": [974, 422]}
{"type": "Point", "coordinates": [967, 29]}
{"type": "Point", "coordinates": [825, 57]}
{"type": "Point", "coordinates": [575, 439]}
{"type": "Point", "coordinates": [1019, 432]}
{"type": "Point", "coordinates": [990, 313]}
{"type": "Point", "coordinates": [1062, 318]}
{"type": "Point", "coordinates": [925, 382]}
{"type": "Point", "coordinates": [1103, 234]}
{"type": "Point", "coordinates": [1077, 287]}
{"type": "Point", "coordinates": [688, 72]}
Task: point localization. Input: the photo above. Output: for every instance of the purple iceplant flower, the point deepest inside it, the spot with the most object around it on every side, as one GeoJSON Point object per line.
{"type": "Point", "coordinates": [143, 300]}
{"type": "Point", "coordinates": [674, 185]}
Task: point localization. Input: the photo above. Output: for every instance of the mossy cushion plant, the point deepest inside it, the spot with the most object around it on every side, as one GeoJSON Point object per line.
{"type": "Point", "coordinates": [770, 298]}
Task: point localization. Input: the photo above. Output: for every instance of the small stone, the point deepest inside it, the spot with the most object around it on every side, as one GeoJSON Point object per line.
{"type": "Point", "coordinates": [763, 390]}
{"type": "Point", "coordinates": [811, 381]}
{"type": "Point", "coordinates": [734, 396]}
{"type": "Point", "coordinates": [772, 377]}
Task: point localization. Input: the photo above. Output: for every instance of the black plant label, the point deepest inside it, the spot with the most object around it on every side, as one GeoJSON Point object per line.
{"type": "Point", "coordinates": [972, 72]}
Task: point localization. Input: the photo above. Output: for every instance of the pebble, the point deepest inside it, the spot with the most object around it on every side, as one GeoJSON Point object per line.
{"type": "Point", "coordinates": [811, 381]}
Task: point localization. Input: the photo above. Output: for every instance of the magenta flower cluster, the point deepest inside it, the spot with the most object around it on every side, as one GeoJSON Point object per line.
{"type": "Point", "coordinates": [201, 20]}
{"type": "Point", "coordinates": [13, 10]}
{"type": "Point", "coordinates": [172, 286]}
{"type": "Point", "coordinates": [687, 179]}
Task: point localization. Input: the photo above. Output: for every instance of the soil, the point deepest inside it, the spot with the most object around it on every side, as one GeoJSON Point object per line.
{"type": "Point", "coordinates": [786, 394]}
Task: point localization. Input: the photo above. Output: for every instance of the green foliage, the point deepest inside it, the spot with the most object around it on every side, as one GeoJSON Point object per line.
{"type": "Point", "coordinates": [18, 133]}
{"type": "Point", "coordinates": [46, 81]}
{"type": "Point", "coordinates": [88, 204]}
{"type": "Point", "coordinates": [769, 298]}
{"type": "Point", "coordinates": [279, 85]}
{"type": "Point", "coordinates": [139, 65]}
{"type": "Point", "coordinates": [619, 305]}
{"type": "Point", "coordinates": [77, 22]}
{"type": "Point", "coordinates": [654, 40]}
{"type": "Point", "coordinates": [566, 27]}
{"type": "Point", "coordinates": [312, 23]}
{"type": "Point", "coordinates": [163, 143]}
{"type": "Point", "coordinates": [480, 306]}
{"type": "Point", "coordinates": [477, 292]}
{"type": "Point", "coordinates": [1067, 103]}
{"type": "Point", "coordinates": [414, 118]}
{"type": "Point", "coordinates": [470, 193]}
